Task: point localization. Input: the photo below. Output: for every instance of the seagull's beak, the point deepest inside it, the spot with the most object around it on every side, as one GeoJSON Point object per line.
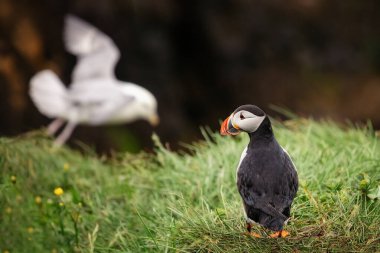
{"type": "Point", "coordinates": [228, 128]}
{"type": "Point", "coordinates": [154, 120]}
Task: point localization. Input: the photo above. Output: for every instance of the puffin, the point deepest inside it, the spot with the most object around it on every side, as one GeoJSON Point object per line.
{"type": "Point", "coordinates": [267, 178]}
{"type": "Point", "coordinates": [95, 96]}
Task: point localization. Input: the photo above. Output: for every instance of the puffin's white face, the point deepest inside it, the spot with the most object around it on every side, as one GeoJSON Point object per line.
{"type": "Point", "coordinates": [246, 121]}
{"type": "Point", "coordinates": [241, 121]}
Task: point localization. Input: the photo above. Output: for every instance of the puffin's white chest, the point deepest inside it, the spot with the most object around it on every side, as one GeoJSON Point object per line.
{"type": "Point", "coordinates": [243, 154]}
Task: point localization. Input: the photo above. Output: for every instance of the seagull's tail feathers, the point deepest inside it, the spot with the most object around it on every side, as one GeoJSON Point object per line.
{"type": "Point", "coordinates": [49, 94]}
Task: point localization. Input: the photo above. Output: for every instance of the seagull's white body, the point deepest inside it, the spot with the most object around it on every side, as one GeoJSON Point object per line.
{"type": "Point", "coordinates": [95, 96]}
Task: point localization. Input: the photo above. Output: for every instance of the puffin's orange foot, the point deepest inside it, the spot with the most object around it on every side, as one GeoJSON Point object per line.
{"type": "Point", "coordinates": [253, 234]}
{"type": "Point", "coordinates": [279, 234]}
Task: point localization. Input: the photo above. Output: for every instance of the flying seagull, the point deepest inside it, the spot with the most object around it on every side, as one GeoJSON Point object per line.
{"type": "Point", "coordinates": [266, 176]}
{"type": "Point", "coordinates": [95, 96]}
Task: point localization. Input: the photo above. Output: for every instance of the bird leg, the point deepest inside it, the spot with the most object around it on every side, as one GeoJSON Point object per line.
{"type": "Point", "coordinates": [61, 139]}
{"type": "Point", "coordinates": [54, 126]}
{"type": "Point", "coordinates": [249, 227]}
{"type": "Point", "coordinates": [280, 234]}
{"type": "Point", "coordinates": [249, 231]}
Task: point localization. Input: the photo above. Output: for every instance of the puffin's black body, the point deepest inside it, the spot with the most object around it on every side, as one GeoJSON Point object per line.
{"type": "Point", "coordinates": [266, 178]}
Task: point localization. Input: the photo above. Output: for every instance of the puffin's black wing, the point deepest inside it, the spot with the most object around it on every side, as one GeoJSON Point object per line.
{"type": "Point", "coordinates": [268, 183]}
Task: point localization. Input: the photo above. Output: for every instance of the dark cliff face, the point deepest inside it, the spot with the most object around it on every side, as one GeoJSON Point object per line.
{"type": "Point", "coordinates": [202, 59]}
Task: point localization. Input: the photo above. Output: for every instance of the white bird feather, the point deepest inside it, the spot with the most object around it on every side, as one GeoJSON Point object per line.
{"type": "Point", "coordinates": [95, 96]}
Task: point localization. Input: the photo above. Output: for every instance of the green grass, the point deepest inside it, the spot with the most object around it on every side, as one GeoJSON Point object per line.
{"type": "Point", "coordinates": [170, 202]}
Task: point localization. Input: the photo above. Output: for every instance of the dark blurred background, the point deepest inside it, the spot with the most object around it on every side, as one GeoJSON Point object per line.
{"type": "Point", "coordinates": [201, 59]}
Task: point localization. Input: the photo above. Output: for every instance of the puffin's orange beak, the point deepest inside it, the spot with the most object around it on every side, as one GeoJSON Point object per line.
{"type": "Point", "coordinates": [227, 128]}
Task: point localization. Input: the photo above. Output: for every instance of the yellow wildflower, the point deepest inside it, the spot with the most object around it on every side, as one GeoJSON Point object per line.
{"type": "Point", "coordinates": [8, 210]}
{"type": "Point", "coordinates": [5, 251]}
{"type": "Point", "coordinates": [66, 167]}
{"type": "Point", "coordinates": [58, 191]}
{"type": "Point", "coordinates": [13, 179]}
{"type": "Point", "coordinates": [38, 200]}
{"type": "Point", "coordinates": [30, 230]}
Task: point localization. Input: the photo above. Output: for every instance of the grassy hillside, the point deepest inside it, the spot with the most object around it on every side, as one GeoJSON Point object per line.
{"type": "Point", "coordinates": [170, 202]}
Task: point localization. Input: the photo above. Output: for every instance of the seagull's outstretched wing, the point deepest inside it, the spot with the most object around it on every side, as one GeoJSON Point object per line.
{"type": "Point", "coordinates": [96, 52]}
{"type": "Point", "coordinates": [98, 103]}
{"type": "Point", "coordinates": [49, 94]}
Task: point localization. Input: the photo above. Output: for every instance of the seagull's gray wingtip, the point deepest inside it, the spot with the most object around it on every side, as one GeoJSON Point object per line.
{"type": "Point", "coordinates": [69, 15]}
{"type": "Point", "coordinates": [71, 18]}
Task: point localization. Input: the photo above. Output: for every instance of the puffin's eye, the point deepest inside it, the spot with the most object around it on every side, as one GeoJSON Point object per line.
{"type": "Point", "coordinates": [242, 116]}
